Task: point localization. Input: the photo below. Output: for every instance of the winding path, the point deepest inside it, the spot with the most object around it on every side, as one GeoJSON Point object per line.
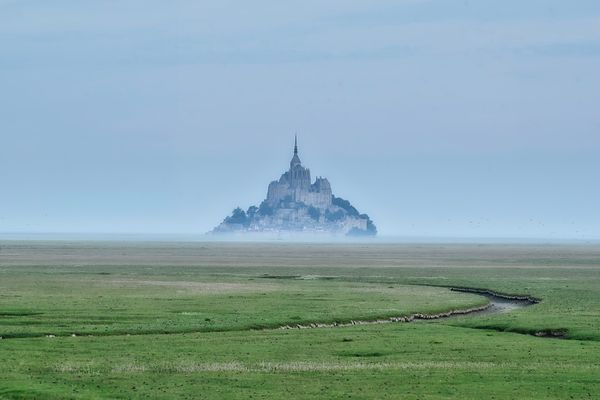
{"type": "Point", "coordinates": [498, 303]}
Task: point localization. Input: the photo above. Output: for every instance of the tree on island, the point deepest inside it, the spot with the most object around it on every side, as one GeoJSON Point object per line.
{"type": "Point", "coordinates": [238, 216]}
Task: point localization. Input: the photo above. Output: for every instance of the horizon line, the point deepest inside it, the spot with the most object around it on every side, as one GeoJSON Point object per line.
{"type": "Point", "coordinates": [283, 237]}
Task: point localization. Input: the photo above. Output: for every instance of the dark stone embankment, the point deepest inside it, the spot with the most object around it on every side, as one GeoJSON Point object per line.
{"type": "Point", "coordinates": [498, 295]}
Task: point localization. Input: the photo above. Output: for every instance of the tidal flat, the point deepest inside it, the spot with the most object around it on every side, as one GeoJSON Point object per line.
{"type": "Point", "coordinates": [200, 320]}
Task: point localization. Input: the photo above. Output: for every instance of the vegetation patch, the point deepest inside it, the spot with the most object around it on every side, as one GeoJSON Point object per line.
{"type": "Point", "coordinates": [148, 329]}
{"type": "Point", "coordinates": [363, 354]}
{"type": "Point", "coordinates": [18, 313]}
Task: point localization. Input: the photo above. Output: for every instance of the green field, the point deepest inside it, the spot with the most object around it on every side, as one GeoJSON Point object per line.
{"type": "Point", "coordinates": [197, 320]}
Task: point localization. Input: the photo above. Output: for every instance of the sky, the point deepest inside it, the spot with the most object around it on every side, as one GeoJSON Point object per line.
{"type": "Point", "coordinates": [439, 118]}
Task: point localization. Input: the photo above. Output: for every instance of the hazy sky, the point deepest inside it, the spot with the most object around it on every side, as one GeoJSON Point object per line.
{"type": "Point", "coordinates": [437, 118]}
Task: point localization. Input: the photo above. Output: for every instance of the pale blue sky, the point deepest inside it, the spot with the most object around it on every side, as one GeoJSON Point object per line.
{"type": "Point", "coordinates": [438, 118]}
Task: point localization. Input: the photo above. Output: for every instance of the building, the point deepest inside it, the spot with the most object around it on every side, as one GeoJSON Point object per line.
{"type": "Point", "coordinates": [295, 186]}
{"type": "Point", "coordinates": [296, 204]}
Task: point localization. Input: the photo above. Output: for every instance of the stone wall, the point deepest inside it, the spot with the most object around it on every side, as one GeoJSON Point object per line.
{"type": "Point", "coordinates": [314, 199]}
{"type": "Point", "coordinates": [277, 191]}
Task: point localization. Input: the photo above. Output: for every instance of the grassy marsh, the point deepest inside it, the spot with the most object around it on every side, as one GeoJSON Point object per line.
{"type": "Point", "coordinates": [208, 297]}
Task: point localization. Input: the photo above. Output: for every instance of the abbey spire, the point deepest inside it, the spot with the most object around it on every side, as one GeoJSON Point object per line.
{"type": "Point", "coordinates": [295, 144]}
{"type": "Point", "coordinates": [295, 160]}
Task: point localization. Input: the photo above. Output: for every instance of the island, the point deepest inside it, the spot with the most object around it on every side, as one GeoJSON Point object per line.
{"type": "Point", "coordinates": [295, 204]}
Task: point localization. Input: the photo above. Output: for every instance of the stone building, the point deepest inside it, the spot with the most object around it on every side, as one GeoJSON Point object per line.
{"type": "Point", "coordinates": [296, 204]}
{"type": "Point", "coordinates": [295, 185]}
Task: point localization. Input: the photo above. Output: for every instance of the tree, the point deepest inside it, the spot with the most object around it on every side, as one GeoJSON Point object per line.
{"type": "Point", "coordinates": [344, 204]}
{"type": "Point", "coordinates": [252, 210]}
{"type": "Point", "coordinates": [265, 208]}
{"type": "Point", "coordinates": [238, 216]}
{"type": "Point", "coordinates": [314, 213]}
{"type": "Point", "coordinates": [335, 216]}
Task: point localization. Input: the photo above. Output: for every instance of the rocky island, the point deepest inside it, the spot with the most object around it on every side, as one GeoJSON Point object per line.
{"type": "Point", "coordinates": [295, 204]}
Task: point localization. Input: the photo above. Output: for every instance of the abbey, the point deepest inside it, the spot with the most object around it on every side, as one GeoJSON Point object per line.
{"type": "Point", "coordinates": [296, 184]}
{"type": "Point", "coordinates": [295, 204]}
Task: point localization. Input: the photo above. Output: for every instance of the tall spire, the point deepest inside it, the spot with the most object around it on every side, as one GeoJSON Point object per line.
{"type": "Point", "coordinates": [295, 144]}
{"type": "Point", "coordinates": [295, 160]}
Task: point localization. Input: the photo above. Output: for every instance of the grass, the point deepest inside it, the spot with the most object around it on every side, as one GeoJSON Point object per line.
{"type": "Point", "coordinates": [63, 304]}
{"type": "Point", "coordinates": [174, 321]}
{"type": "Point", "coordinates": [418, 360]}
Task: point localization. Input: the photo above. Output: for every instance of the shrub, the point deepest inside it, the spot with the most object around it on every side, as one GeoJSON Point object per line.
{"type": "Point", "coordinates": [344, 204]}
{"type": "Point", "coordinates": [265, 209]}
{"type": "Point", "coordinates": [238, 216]}
{"type": "Point", "coordinates": [335, 216]}
{"type": "Point", "coordinates": [314, 213]}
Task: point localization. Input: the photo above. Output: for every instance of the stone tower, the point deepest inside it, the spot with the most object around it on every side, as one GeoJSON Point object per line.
{"type": "Point", "coordinates": [295, 204]}
{"type": "Point", "coordinates": [299, 177]}
{"type": "Point", "coordinates": [295, 185]}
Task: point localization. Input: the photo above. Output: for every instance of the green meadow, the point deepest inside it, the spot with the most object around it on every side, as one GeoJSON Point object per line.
{"type": "Point", "coordinates": [87, 320]}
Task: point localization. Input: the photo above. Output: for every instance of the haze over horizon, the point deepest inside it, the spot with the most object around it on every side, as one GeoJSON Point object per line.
{"type": "Point", "coordinates": [437, 118]}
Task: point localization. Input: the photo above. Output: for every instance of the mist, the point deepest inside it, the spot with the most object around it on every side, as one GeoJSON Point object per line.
{"type": "Point", "coordinates": [438, 119]}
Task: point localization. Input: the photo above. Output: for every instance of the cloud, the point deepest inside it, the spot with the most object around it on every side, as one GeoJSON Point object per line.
{"type": "Point", "coordinates": [71, 33]}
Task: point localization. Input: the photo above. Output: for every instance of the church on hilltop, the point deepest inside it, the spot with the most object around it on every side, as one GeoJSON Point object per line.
{"type": "Point", "coordinates": [295, 204]}
{"type": "Point", "coordinates": [296, 184]}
